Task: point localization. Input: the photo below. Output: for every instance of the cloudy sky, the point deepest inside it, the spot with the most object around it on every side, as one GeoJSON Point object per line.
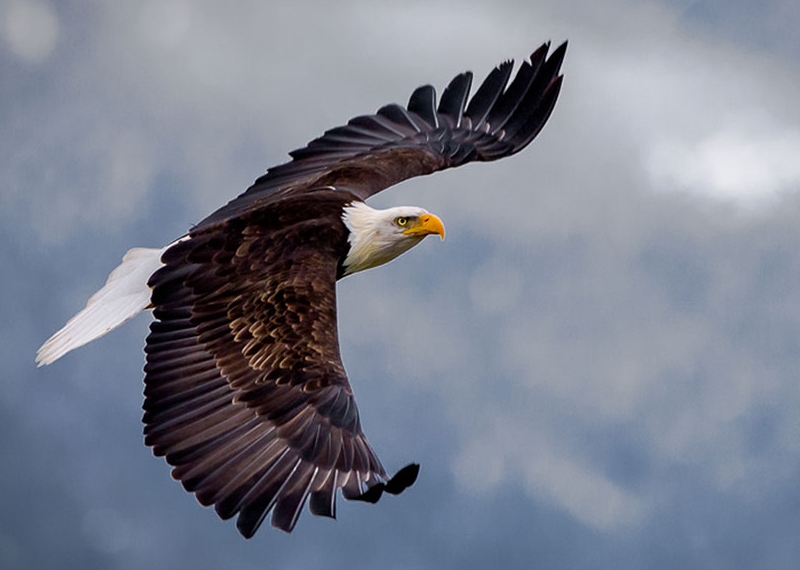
{"type": "Point", "coordinates": [597, 369]}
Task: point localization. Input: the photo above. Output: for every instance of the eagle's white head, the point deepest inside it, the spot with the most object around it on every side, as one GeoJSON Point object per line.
{"type": "Point", "coordinates": [378, 236]}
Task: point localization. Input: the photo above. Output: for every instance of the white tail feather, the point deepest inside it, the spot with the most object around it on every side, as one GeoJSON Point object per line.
{"type": "Point", "coordinates": [124, 296]}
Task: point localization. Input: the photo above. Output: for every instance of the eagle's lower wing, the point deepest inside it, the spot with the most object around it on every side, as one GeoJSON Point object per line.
{"type": "Point", "coordinates": [373, 152]}
{"type": "Point", "coordinates": [245, 392]}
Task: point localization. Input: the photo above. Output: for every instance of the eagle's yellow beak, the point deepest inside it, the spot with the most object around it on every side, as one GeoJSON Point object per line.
{"type": "Point", "coordinates": [427, 224]}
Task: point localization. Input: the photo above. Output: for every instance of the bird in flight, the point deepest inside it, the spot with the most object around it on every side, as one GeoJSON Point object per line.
{"type": "Point", "coordinates": [245, 392]}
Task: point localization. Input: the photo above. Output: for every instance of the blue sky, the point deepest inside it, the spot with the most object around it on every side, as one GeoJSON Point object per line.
{"type": "Point", "coordinates": [597, 368]}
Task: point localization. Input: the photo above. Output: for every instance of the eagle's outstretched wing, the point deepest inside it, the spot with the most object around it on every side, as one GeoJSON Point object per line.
{"type": "Point", "coordinates": [373, 152]}
{"type": "Point", "coordinates": [246, 395]}
{"type": "Point", "coordinates": [245, 392]}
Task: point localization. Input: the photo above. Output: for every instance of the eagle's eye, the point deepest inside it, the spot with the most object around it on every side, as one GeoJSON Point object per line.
{"type": "Point", "coordinates": [402, 221]}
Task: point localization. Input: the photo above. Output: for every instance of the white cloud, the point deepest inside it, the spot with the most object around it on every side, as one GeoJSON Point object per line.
{"type": "Point", "coordinates": [516, 447]}
{"type": "Point", "coordinates": [165, 23]}
{"type": "Point", "coordinates": [699, 115]}
{"type": "Point", "coordinates": [30, 29]}
{"type": "Point", "coordinates": [750, 168]}
{"type": "Point", "coordinates": [581, 491]}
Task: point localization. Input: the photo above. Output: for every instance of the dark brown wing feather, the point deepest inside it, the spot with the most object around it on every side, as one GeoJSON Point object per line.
{"type": "Point", "coordinates": [374, 152]}
{"type": "Point", "coordinates": [245, 392]}
{"type": "Point", "coordinates": [246, 395]}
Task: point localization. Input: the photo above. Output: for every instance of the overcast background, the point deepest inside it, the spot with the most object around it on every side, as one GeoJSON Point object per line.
{"type": "Point", "coordinates": [597, 369]}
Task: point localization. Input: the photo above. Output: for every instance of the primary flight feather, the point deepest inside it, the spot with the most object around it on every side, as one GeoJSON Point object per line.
{"type": "Point", "coordinates": [245, 392]}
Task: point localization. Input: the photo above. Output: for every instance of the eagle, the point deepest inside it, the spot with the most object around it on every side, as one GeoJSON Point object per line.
{"type": "Point", "coordinates": [245, 393]}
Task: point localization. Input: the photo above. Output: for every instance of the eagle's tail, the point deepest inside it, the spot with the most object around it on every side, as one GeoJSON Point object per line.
{"type": "Point", "coordinates": [124, 296]}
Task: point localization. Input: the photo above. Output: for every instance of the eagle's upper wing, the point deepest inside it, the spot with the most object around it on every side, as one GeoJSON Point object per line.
{"type": "Point", "coordinates": [245, 392]}
{"type": "Point", "coordinates": [373, 152]}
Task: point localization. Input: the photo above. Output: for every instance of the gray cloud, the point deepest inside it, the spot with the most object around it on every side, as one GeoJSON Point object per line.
{"type": "Point", "coordinates": [597, 368]}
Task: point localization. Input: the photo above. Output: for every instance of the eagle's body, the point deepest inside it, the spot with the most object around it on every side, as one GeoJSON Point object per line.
{"type": "Point", "coordinates": [245, 392]}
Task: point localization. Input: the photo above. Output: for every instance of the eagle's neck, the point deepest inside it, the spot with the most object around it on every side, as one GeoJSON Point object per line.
{"type": "Point", "coordinates": [373, 238]}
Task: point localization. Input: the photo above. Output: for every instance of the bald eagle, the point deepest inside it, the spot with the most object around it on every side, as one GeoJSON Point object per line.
{"type": "Point", "coordinates": [245, 392]}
